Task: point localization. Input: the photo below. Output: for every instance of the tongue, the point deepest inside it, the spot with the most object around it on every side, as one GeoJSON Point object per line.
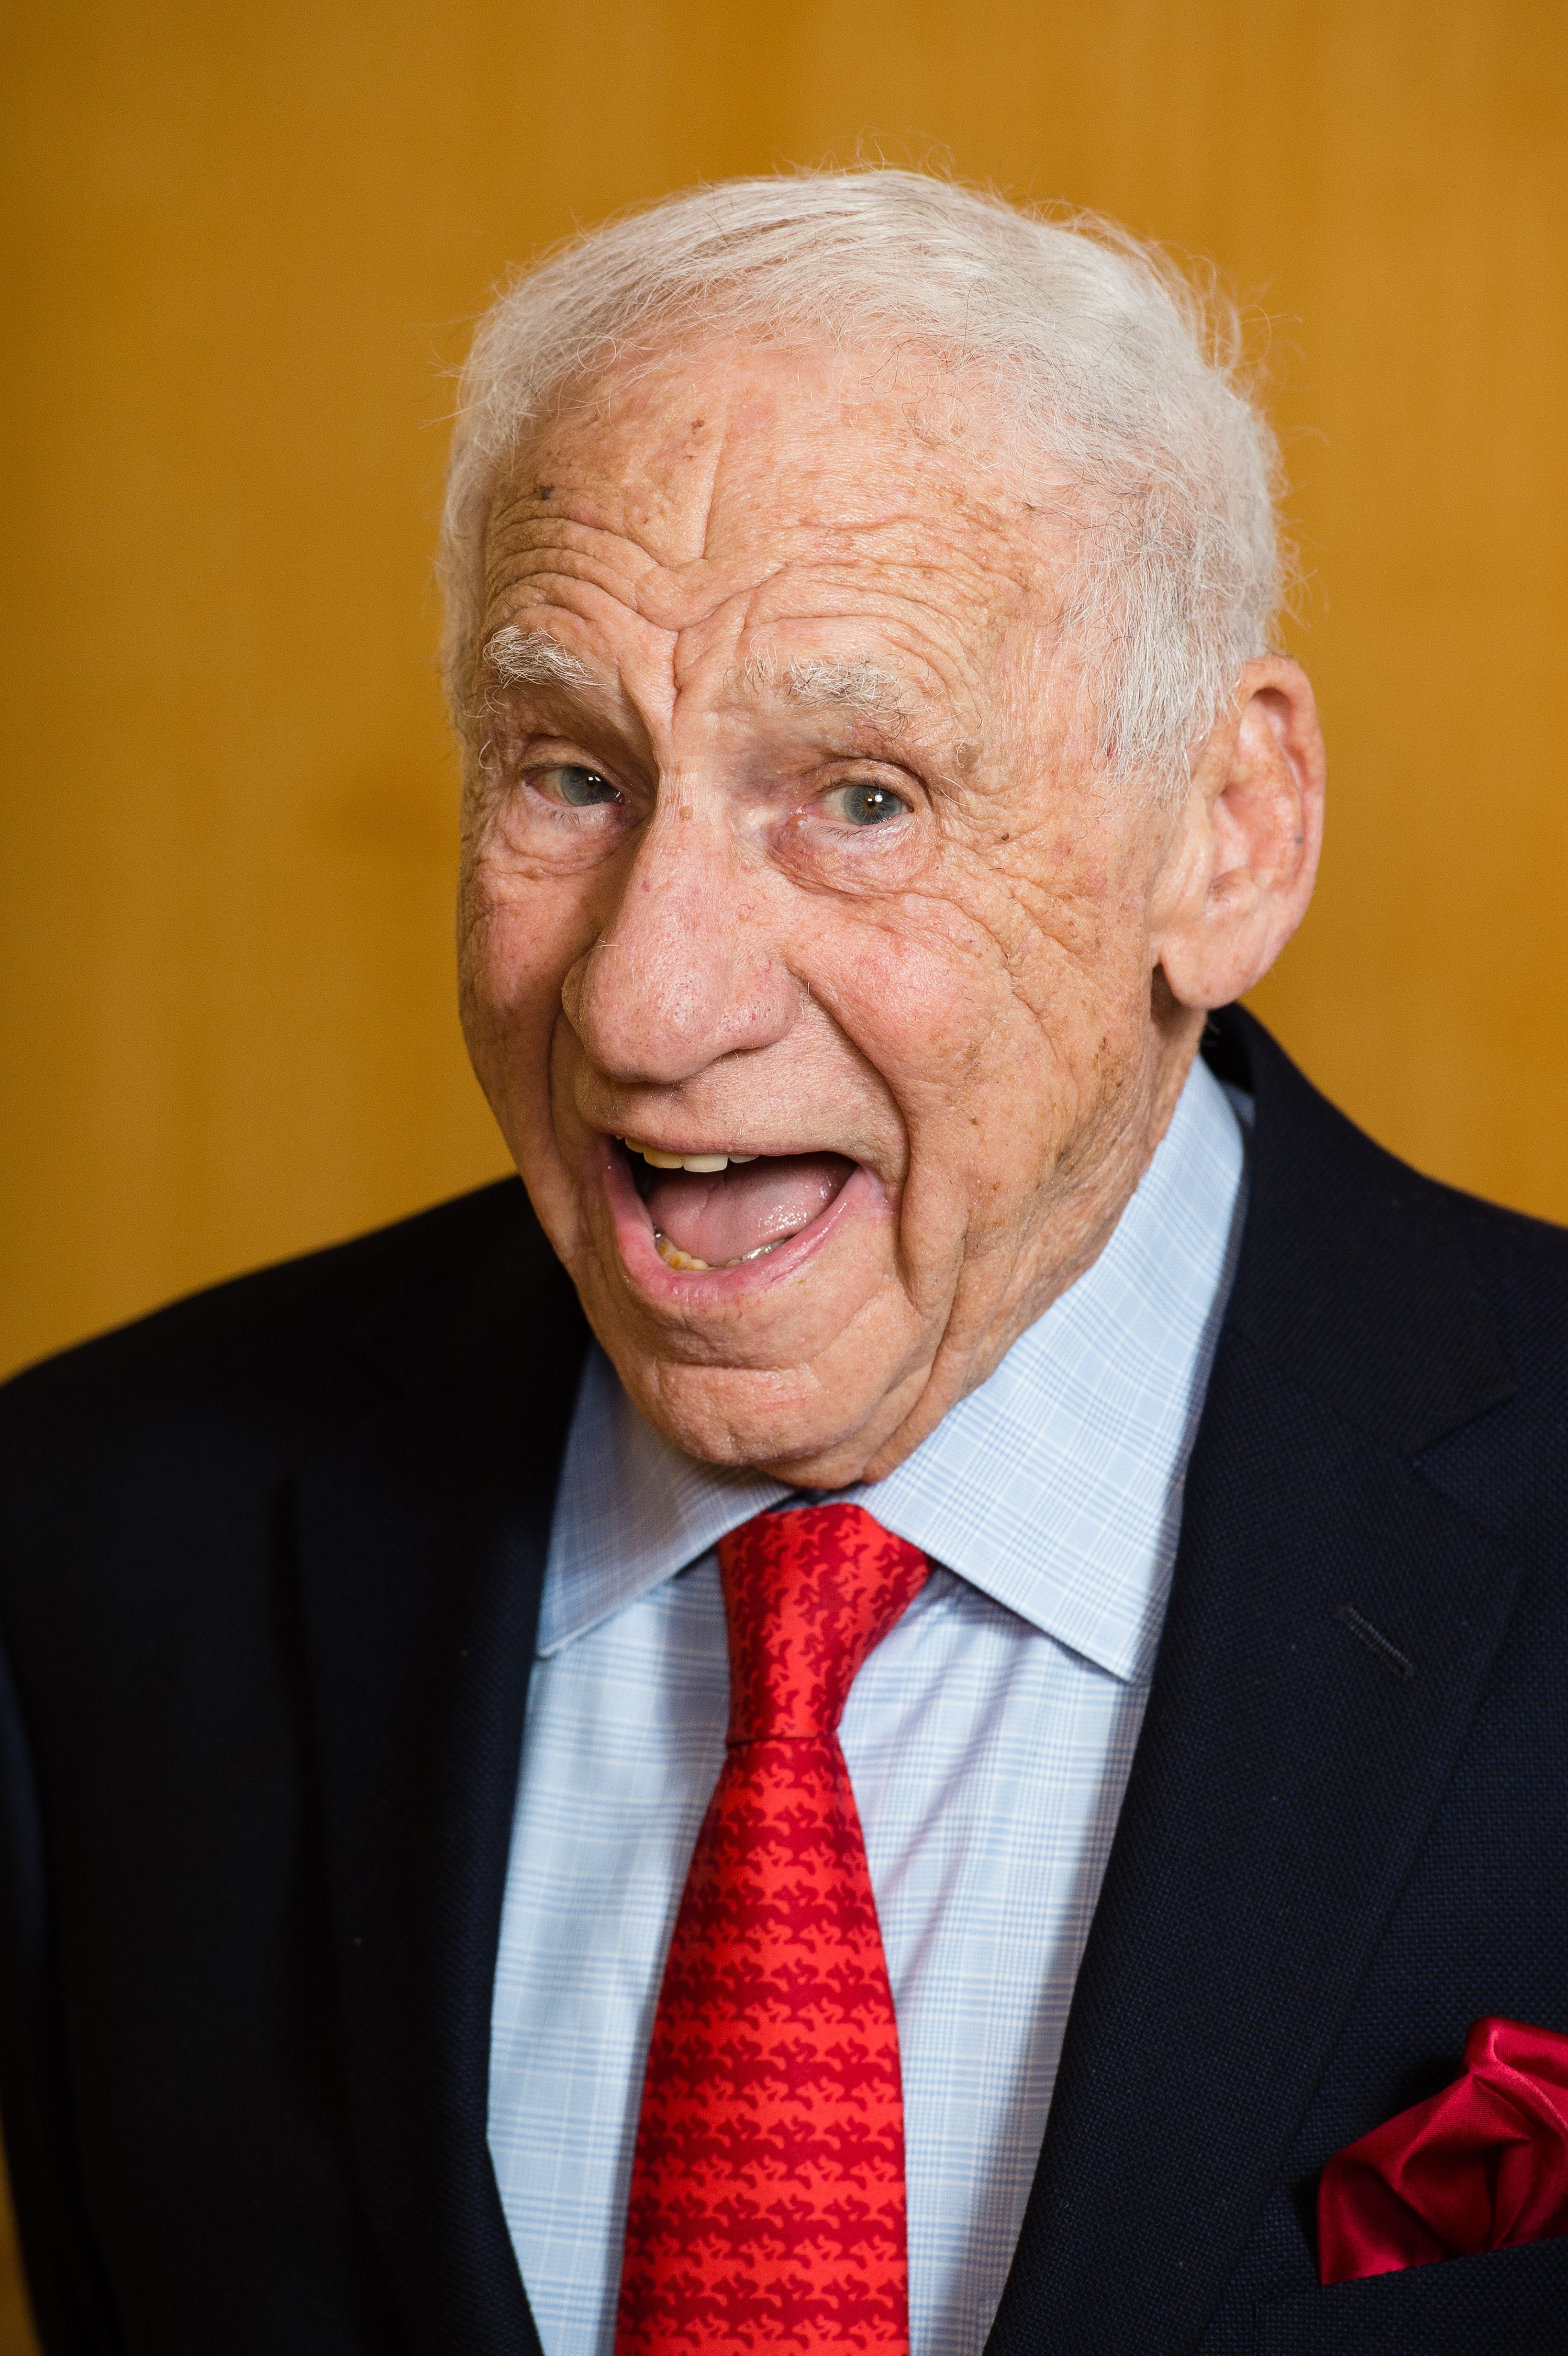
{"type": "Point", "coordinates": [723, 1218]}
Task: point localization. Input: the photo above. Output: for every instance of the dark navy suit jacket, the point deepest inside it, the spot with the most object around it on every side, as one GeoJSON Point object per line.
{"type": "Point", "coordinates": [271, 1568]}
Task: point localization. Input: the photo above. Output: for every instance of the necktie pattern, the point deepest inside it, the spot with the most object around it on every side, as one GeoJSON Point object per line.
{"type": "Point", "coordinates": [767, 2206]}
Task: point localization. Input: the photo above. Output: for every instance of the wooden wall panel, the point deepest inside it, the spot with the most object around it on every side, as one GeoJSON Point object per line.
{"type": "Point", "coordinates": [243, 247]}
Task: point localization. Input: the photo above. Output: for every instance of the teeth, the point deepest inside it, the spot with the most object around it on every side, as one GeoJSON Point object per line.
{"type": "Point", "coordinates": [674, 1256]}
{"type": "Point", "coordinates": [707, 1165]}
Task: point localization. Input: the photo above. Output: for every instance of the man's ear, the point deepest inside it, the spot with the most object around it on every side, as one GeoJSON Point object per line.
{"type": "Point", "coordinates": [1243, 859]}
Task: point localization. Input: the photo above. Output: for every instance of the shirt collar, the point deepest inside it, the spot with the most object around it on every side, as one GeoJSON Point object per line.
{"type": "Point", "coordinates": [1055, 1486]}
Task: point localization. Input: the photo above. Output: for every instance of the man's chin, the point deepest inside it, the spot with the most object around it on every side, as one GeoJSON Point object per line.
{"type": "Point", "coordinates": [781, 1421]}
{"type": "Point", "coordinates": [807, 1382]}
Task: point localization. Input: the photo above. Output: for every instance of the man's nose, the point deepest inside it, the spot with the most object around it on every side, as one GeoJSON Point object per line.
{"type": "Point", "coordinates": [685, 971]}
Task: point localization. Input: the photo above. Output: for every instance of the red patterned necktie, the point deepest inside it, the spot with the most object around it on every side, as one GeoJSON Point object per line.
{"type": "Point", "coordinates": [766, 2206]}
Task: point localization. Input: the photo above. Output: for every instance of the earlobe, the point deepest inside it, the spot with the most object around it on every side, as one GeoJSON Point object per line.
{"type": "Point", "coordinates": [1256, 822]}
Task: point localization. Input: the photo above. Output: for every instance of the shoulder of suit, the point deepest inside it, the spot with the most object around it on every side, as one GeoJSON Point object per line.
{"type": "Point", "coordinates": [1406, 1306]}
{"type": "Point", "coordinates": [1521, 1269]}
{"type": "Point", "coordinates": [297, 1316]}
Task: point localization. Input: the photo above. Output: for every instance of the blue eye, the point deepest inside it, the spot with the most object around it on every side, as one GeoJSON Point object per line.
{"type": "Point", "coordinates": [866, 805]}
{"type": "Point", "coordinates": [579, 789]}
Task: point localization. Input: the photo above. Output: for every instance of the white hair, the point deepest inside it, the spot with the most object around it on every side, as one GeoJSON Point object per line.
{"type": "Point", "coordinates": [1107, 360]}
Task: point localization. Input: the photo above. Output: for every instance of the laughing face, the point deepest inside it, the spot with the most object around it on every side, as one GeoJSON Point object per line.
{"type": "Point", "coordinates": [829, 999]}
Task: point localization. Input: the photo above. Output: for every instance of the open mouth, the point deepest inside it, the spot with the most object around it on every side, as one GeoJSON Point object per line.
{"type": "Point", "coordinates": [716, 1210]}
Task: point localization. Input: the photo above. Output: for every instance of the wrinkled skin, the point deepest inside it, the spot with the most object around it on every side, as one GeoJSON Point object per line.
{"type": "Point", "coordinates": [988, 999]}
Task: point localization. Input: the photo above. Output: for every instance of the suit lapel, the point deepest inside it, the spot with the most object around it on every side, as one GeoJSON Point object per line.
{"type": "Point", "coordinates": [422, 1538]}
{"type": "Point", "coordinates": [1287, 1767]}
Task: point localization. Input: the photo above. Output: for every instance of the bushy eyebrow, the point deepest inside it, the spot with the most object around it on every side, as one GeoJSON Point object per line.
{"type": "Point", "coordinates": [815, 681]}
{"type": "Point", "coordinates": [533, 659]}
{"type": "Point", "coordinates": [812, 682]}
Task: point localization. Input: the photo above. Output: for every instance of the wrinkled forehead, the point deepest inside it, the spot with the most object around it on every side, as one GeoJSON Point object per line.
{"type": "Point", "coordinates": [750, 464]}
{"type": "Point", "coordinates": [711, 514]}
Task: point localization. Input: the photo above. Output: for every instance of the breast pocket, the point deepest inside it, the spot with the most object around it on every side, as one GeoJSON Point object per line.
{"type": "Point", "coordinates": [1505, 2303]}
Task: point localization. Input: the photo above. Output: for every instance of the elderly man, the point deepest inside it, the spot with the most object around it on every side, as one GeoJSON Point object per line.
{"type": "Point", "coordinates": [884, 1713]}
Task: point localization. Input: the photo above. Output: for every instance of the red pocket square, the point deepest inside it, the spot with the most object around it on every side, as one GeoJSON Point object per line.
{"type": "Point", "coordinates": [1482, 2165]}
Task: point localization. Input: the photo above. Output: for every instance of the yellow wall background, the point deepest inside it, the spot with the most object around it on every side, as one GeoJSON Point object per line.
{"type": "Point", "coordinates": [244, 246]}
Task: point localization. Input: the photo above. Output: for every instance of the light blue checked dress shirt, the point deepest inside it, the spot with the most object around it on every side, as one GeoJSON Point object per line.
{"type": "Point", "coordinates": [988, 1739]}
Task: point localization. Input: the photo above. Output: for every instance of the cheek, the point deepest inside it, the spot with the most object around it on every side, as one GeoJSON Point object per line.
{"type": "Point", "coordinates": [518, 944]}
{"type": "Point", "coordinates": [933, 1007]}
{"type": "Point", "coordinates": [1001, 1038]}
{"type": "Point", "coordinates": [518, 938]}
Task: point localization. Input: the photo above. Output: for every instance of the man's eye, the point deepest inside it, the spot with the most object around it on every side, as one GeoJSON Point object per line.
{"type": "Point", "coordinates": [865, 805]}
{"type": "Point", "coordinates": [578, 789]}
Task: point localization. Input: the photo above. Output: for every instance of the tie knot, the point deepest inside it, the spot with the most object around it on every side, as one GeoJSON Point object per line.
{"type": "Point", "coordinates": [809, 1594]}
